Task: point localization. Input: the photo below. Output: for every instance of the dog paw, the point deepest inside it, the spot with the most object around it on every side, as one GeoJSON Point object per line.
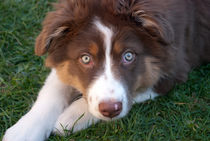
{"type": "Point", "coordinates": [26, 130]}
{"type": "Point", "coordinates": [76, 117]}
{"type": "Point", "coordinates": [66, 124]}
{"type": "Point", "coordinates": [73, 123]}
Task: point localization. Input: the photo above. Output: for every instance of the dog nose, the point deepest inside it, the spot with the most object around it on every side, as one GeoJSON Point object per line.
{"type": "Point", "coordinates": [110, 109]}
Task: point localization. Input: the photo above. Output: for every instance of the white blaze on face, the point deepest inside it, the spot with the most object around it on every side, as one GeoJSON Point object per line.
{"type": "Point", "coordinates": [106, 87]}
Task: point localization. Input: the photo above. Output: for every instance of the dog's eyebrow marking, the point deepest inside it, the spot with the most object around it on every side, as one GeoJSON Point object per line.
{"type": "Point", "coordinates": [108, 33]}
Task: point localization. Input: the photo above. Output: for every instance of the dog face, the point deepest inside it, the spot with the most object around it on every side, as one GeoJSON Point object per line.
{"type": "Point", "coordinates": [108, 54]}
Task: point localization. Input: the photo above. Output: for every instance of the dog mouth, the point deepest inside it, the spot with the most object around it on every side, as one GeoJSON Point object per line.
{"type": "Point", "coordinates": [107, 107]}
{"type": "Point", "coordinates": [108, 101]}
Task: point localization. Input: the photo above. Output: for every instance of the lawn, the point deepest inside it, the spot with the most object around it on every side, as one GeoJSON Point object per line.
{"type": "Point", "coordinates": [182, 115]}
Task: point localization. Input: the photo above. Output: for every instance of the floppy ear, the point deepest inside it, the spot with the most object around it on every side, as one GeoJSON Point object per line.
{"type": "Point", "coordinates": [147, 18]}
{"type": "Point", "coordinates": [157, 27]}
{"type": "Point", "coordinates": [43, 41]}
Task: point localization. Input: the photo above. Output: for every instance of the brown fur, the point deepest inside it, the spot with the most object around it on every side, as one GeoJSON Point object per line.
{"type": "Point", "coordinates": [169, 37]}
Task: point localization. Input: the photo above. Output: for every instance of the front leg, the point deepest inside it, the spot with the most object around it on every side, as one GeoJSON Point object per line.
{"type": "Point", "coordinates": [38, 123]}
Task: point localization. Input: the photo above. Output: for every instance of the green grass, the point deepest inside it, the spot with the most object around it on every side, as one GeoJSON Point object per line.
{"type": "Point", "coordinates": [182, 115]}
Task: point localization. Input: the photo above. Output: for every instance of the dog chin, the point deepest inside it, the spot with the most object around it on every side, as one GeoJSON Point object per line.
{"type": "Point", "coordinates": [101, 117]}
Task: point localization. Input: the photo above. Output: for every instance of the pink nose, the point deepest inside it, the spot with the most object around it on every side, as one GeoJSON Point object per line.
{"type": "Point", "coordinates": [110, 109]}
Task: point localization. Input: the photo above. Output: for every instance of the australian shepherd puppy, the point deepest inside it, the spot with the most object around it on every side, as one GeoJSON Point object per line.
{"type": "Point", "coordinates": [114, 53]}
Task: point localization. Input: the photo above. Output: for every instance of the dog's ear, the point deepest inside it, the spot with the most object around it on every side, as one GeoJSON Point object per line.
{"type": "Point", "coordinates": [157, 27]}
{"type": "Point", "coordinates": [68, 17]}
{"type": "Point", "coordinates": [146, 18]}
{"type": "Point", "coordinates": [43, 41]}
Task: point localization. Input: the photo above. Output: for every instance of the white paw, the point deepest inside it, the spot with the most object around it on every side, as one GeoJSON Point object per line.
{"type": "Point", "coordinates": [76, 117]}
{"type": "Point", "coordinates": [26, 129]}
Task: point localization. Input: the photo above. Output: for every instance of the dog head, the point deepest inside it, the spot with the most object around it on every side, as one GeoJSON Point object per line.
{"type": "Point", "coordinates": [108, 50]}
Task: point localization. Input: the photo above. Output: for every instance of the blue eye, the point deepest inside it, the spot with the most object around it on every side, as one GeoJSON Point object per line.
{"type": "Point", "coordinates": [128, 57]}
{"type": "Point", "coordinates": [86, 59]}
